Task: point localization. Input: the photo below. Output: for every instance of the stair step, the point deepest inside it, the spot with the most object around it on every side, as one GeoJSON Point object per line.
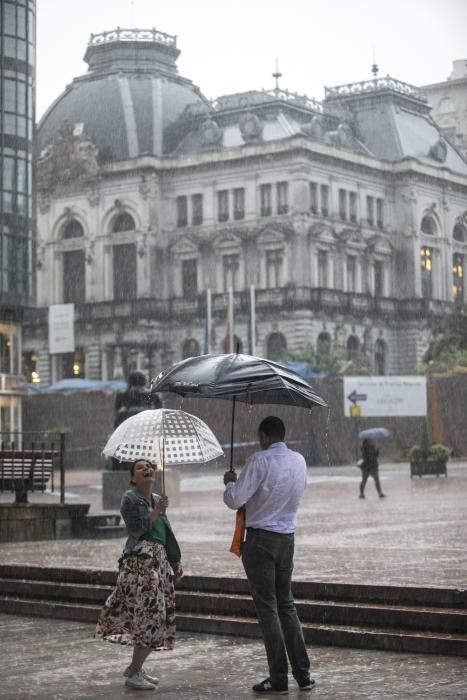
{"type": "Point", "coordinates": [48, 608]}
{"type": "Point", "coordinates": [51, 590]}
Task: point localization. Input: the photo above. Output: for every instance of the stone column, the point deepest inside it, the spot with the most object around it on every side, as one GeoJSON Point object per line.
{"type": "Point", "coordinates": [43, 367]}
{"type": "Point", "coordinates": [93, 362]}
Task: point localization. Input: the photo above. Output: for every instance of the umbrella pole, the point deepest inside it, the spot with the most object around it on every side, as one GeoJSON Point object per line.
{"type": "Point", "coordinates": [232, 435]}
{"type": "Point", "coordinates": [163, 467]}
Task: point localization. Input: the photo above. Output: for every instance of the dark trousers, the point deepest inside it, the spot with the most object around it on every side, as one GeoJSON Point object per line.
{"type": "Point", "coordinates": [365, 474]}
{"type": "Point", "coordinates": [268, 561]}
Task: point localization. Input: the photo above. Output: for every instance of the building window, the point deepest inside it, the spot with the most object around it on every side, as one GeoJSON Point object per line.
{"type": "Point", "coordinates": [230, 265]}
{"type": "Point", "coordinates": [459, 233]}
{"type": "Point", "coordinates": [196, 209]}
{"type": "Point", "coordinates": [265, 200]}
{"type": "Point", "coordinates": [353, 348]}
{"type": "Point", "coordinates": [351, 273]}
{"type": "Point", "coordinates": [458, 276]}
{"type": "Point", "coordinates": [446, 106]}
{"type": "Point", "coordinates": [274, 260]}
{"type": "Point", "coordinates": [353, 206]}
{"type": "Point", "coordinates": [123, 222]}
{"type": "Point", "coordinates": [29, 367]}
{"type": "Point", "coordinates": [182, 211]}
{"type": "Point", "coordinates": [426, 264]}
{"type": "Point", "coordinates": [73, 365]}
{"type": "Point", "coordinates": [370, 210]}
{"type": "Point", "coordinates": [190, 348]}
{"type": "Point", "coordinates": [282, 198]}
{"type": "Point", "coordinates": [124, 272]}
{"type": "Point", "coordinates": [223, 205]}
{"type": "Point", "coordinates": [428, 226]}
{"type": "Point", "coordinates": [239, 203]}
{"type": "Point", "coordinates": [324, 200]}
{"type": "Point", "coordinates": [380, 213]}
{"type": "Point", "coordinates": [5, 353]}
{"type": "Point", "coordinates": [74, 288]}
{"type": "Point", "coordinates": [276, 346]}
{"type": "Point", "coordinates": [323, 347]}
{"type": "Point", "coordinates": [322, 269]}
{"type": "Point", "coordinates": [237, 344]}
{"type": "Point", "coordinates": [380, 356]}
{"type": "Point", "coordinates": [190, 278]}
{"type": "Point", "coordinates": [72, 229]}
{"type": "Point", "coordinates": [314, 198]}
{"type": "Point", "coordinates": [378, 278]}
{"type": "Point", "coordinates": [343, 205]}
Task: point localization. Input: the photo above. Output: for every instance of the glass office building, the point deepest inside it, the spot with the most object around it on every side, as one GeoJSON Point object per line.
{"type": "Point", "coordinates": [17, 215]}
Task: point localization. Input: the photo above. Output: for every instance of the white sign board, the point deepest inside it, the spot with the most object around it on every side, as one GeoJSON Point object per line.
{"type": "Point", "coordinates": [386, 396]}
{"type": "Point", "coordinates": [61, 328]}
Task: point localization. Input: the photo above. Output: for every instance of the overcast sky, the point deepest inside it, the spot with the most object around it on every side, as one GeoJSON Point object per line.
{"type": "Point", "coordinates": [232, 46]}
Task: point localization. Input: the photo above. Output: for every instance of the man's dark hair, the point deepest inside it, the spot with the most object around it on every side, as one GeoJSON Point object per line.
{"type": "Point", "coordinates": [273, 427]}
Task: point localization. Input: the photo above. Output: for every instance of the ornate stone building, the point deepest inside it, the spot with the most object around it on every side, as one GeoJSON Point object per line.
{"type": "Point", "coordinates": [348, 216]}
{"type": "Point", "coordinates": [449, 102]}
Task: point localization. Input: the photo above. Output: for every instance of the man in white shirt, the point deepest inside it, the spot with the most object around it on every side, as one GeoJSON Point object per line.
{"type": "Point", "coordinates": [270, 487]}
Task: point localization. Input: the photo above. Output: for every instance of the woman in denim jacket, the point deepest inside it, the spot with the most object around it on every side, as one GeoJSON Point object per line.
{"type": "Point", "coordinates": [140, 612]}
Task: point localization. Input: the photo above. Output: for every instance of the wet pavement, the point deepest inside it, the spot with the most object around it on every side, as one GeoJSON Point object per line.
{"type": "Point", "coordinates": [59, 660]}
{"type": "Point", "coordinates": [415, 536]}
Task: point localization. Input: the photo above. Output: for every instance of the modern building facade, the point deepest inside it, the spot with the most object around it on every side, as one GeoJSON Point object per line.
{"type": "Point", "coordinates": [449, 102]}
{"type": "Point", "coordinates": [348, 216]}
{"type": "Point", "coordinates": [17, 206]}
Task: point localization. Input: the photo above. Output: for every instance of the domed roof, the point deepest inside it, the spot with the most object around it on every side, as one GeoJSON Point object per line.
{"type": "Point", "coordinates": [131, 94]}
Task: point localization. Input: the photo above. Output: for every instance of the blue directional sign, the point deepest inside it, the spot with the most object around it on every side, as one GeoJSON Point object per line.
{"type": "Point", "coordinates": [354, 397]}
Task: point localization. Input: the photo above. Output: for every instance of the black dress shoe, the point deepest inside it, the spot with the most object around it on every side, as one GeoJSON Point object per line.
{"type": "Point", "coordinates": [267, 688]}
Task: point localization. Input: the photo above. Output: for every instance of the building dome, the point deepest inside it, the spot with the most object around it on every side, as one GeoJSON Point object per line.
{"type": "Point", "coordinates": [128, 98]}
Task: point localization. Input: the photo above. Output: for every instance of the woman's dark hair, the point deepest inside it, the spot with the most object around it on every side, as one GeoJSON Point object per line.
{"type": "Point", "coordinates": [273, 427]}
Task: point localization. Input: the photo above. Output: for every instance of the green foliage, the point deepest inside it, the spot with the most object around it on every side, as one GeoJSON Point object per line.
{"type": "Point", "coordinates": [425, 451]}
{"type": "Point", "coordinates": [324, 359]}
{"type": "Point", "coordinates": [448, 348]}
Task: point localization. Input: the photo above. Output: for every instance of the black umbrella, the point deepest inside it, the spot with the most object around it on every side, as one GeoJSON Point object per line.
{"type": "Point", "coordinates": [237, 377]}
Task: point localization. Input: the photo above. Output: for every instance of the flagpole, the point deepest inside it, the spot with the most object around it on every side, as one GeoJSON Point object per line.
{"type": "Point", "coordinates": [207, 339]}
{"type": "Point", "coordinates": [231, 319]}
{"type": "Point", "coordinates": [252, 320]}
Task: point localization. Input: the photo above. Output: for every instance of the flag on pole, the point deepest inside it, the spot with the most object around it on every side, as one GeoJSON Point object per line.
{"type": "Point", "coordinates": [208, 323]}
{"type": "Point", "coordinates": [252, 322]}
{"type": "Point", "coordinates": [229, 334]}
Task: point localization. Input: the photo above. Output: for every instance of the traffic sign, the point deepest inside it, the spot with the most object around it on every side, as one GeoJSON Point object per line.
{"type": "Point", "coordinates": [386, 395]}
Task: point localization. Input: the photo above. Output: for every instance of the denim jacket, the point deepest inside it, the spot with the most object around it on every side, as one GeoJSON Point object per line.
{"type": "Point", "coordinates": [135, 512]}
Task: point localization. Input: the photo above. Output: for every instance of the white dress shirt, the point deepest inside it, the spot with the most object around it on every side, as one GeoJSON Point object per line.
{"type": "Point", "coordinates": [270, 487]}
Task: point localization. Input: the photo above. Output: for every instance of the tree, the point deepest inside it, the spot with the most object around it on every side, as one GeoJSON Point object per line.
{"type": "Point", "coordinates": [325, 359]}
{"type": "Point", "coordinates": [448, 348]}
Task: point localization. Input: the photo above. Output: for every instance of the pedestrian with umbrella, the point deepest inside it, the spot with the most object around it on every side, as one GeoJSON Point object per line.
{"type": "Point", "coordinates": [269, 489]}
{"type": "Point", "coordinates": [369, 462]}
{"type": "Point", "coordinates": [140, 611]}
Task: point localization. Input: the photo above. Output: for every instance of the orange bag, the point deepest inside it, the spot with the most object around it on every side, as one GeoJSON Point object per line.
{"type": "Point", "coordinates": [239, 534]}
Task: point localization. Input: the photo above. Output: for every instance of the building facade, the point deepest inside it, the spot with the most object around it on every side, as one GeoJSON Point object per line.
{"type": "Point", "coordinates": [348, 216]}
{"type": "Point", "coordinates": [449, 102]}
{"type": "Point", "coordinates": [17, 207]}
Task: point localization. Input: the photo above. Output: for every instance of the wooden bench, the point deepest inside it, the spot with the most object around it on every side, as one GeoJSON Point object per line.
{"type": "Point", "coordinates": [26, 470]}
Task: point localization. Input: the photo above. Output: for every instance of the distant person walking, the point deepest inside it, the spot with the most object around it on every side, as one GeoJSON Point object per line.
{"type": "Point", "coordinates": [270, 487]}
{"type": "Point", "coordinates": [369, 467]}
{"type": "Point", "coordinates": [140, 612]}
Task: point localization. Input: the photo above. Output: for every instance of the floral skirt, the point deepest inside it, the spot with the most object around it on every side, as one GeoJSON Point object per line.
{"type": "Point", "coordinates": [140, 611]}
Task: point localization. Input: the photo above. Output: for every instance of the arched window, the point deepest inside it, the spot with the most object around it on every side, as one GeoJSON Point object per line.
{"type": "Point", "coordinates": [380, 356]}
{"type": "Point", "coordinates": [190, 348]}
{"type": "Point", "coordinates": [428, 226]}
{"type": "Point", "coordinates": [323, 345]}
{"type": "Point", "coordinates": [74, 288]}
{"type": "Point", "coordinates": [72, 229]}
{"type": "Point", "coordinates": [124, 271]}
{"type": "Point", "coordinates": [123, 222]}
{"type": "Point", "coordinates": [353, 347]}
{"type": "Point", "coordinates": [73, 365]}
{"type": "Point", "coordinates": [459, 233]}
{"type": "Point", "coordinates": [276, 346]}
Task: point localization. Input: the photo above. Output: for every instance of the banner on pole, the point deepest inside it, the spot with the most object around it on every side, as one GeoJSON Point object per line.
{"type": "Point", "coordinates": [61, 328]}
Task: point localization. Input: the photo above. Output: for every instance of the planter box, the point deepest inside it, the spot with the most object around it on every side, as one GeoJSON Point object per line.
{"type": "Point", "coordinates": [428, 467]}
